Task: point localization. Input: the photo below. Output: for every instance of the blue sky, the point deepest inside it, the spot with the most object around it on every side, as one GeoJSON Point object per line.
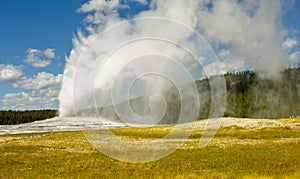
{"type": "Point", "coordinates": [37, 24]}
{"type": "Point", "coordinates": [34, 24]}
{"type": "Point", "coordinates": [35, 31]}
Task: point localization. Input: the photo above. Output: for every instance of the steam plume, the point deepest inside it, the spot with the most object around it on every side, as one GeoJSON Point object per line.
{"type": "Point", "coordinates": [250, 31]}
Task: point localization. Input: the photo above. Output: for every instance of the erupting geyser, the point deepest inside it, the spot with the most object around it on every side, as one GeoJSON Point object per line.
{"type": "Point", "coordinates": [141, 57]}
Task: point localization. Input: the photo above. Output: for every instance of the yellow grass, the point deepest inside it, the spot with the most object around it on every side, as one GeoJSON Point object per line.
{"type": "Point", "coordinates": [233, 153]}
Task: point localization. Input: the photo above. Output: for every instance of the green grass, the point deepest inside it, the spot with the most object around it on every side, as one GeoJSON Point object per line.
{"type": "Point", "coordinates": [227, 132]}
{"type": "Point", "coordinates": [266, 133]}
{"type": "Point", "coordinates": [69, 155]}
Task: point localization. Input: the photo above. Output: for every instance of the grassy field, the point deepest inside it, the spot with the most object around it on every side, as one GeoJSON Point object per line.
{"type": "Point", "coordinates": [233, 153]}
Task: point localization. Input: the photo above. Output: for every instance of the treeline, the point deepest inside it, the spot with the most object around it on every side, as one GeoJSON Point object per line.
{"type": "Point", "coordinates": [252, 97]}
{"type": "Point", "coordinates": [249, 96]}
{"type": "Point", "coordinates": [11, 117]}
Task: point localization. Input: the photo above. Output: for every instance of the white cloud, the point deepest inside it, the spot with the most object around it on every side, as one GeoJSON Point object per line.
{"type": "Point", "coordinates": [40, 58]}
{"type": "Point", "coordinates": [142, 1]}
{"type": "Point", "coordinates": [10, 73]}
{"type": "Point", "coordinates": [101, 10]}
{"type": "Point", "coordinates": [295, 57]}
{"type": "Point", "coordinates": [40, 92]}
{"type": "Point", "coordinates": [20, 97]}
{"type": "Point", "coordinates": [42, 81]}
{"type": "Point", "coordinates": [99, 5]}
{"type": "Point", "coordinates": [290, 43]}
{"type": "Point", "coordinates": [49, 53]}
{"type": "Point", "coordinates": [224, 54]}
{"type": "Point", "coordinates": [27, 100]}
{"type": "Point", "coordinates": [105, 5]}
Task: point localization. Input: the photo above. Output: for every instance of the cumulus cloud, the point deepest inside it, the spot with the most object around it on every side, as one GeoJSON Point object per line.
{"type": "Point", "coordinates": [49, 53]}
{"type": "Point", "coordinates": [41, 81]}
{"type": "Point", "coordinates": [290, 43]}
{"type": "Point", "coordinates": [100, 10]}
{"type": "Point", "coordinates": [106, 7]}
{"type": "Point", "coordinates": [99, 5]}
{"type": "Point", "coordinates": [39, 92]}
{"type": "Point", "coordinates": [20, 99]}
{"type": "Point", "coordinates": [142, 1]}
{"type": "Point", "coordinates": [295, 57]}
{"type": "Point", "coordinates": [224, 54]}
{"type": "Point", "coordinates": [27, 101]}
{"type": "Point", "coordinates": [40, 58]}
{"type": "Point", "coordinates": [10, 73]}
